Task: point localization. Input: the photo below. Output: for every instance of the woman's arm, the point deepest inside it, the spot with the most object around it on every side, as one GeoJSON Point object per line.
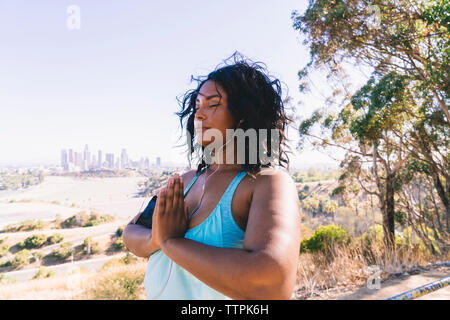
{"type": "Point", "coordinates": [138, 239]}
{"type": "Point", "coordinates": [266, 267]}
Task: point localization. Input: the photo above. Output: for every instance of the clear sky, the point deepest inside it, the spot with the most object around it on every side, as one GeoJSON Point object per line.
{"type": "Point", "coordinates": [113, 83]}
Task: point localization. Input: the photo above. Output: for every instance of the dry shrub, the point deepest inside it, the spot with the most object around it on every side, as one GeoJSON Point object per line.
{"type": "Point", "coordinates": [352, 265]}
{"type": "Point", "coordinates": [117, 281]}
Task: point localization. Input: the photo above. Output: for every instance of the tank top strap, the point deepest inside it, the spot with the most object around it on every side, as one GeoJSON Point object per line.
{"type": "Point", "coordinates": [192, 182]}
{"type": "Point", "coordinates": [228, 195]}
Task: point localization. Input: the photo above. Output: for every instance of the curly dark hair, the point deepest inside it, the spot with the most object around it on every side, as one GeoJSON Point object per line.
{"type": "Point", "coordinates": [253, 96]}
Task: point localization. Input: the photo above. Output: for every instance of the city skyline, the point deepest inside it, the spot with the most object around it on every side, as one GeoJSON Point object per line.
{"type": "Point", "coordinates": [71, 160]}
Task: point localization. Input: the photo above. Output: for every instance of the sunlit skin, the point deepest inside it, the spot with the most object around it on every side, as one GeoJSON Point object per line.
{"type": "Point", "coordinates": [266, 207]}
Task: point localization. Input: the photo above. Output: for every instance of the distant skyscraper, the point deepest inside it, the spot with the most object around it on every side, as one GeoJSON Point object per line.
{"type": "Point", "coordinates": [124, 159]}
{"type": "Point", "coordinates": [71, 156]}
{"type": "Point", "coordinates": [158, 161]}
{"type": "Point", "coordinates": [87, 155]}
{"type": "Point", "coordinates": [147, 163]}
{"type": "Point", "coordinates": [110, 160]}
{"type": "Point", "coordinates": [85, 165]}
{"type": "Point", "coordinates": [78, 159]}
{"type": "Point", "coordinates": [64, 159]}
{"type": "Point", "coordinates": [100, 160]}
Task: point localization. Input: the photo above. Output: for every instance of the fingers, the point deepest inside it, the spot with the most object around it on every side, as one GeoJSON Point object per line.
{"type": "Point", "coordinates": [161, 203]}
{"type": "Point", "coordinates": [176, 193]}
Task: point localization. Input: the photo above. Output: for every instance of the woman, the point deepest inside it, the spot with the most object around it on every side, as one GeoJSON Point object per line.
{"type": "Point", "coordinates": [230, 229]}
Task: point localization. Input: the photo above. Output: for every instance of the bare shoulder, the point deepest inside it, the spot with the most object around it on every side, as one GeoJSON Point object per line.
{"type": "Point", "coordinates": [274, 180]}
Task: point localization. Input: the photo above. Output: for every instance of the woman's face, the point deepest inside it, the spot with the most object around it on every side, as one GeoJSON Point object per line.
{"type": "Point", "coordinates": [211, 113]}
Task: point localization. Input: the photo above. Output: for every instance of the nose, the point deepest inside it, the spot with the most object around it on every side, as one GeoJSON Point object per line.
{"type": "Point", "coordinates": [200, 113]}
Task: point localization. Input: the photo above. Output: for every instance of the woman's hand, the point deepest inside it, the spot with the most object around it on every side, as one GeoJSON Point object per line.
{"type": "Point", "coordinates": [170, 219]}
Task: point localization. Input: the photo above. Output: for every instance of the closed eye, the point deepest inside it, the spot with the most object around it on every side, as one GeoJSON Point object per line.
{"type": "Point", "coordinates": [210, 106]}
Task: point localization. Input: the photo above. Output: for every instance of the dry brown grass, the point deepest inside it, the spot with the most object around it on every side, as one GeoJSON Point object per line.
{"type": "Point", "coordinates": [352, 265]}
{"type": "Point", "coordinates": [115, 281]}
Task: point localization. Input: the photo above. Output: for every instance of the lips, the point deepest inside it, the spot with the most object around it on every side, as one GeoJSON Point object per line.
{"type": "Point", "coordinates": [201, 128]}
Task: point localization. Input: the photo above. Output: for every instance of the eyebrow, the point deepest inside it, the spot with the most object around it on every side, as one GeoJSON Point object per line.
{"type": "Point", "coordinates": [210, 97]}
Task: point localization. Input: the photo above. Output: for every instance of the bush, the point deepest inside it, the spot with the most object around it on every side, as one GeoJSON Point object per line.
{"type": "Point", "coordinates": [55, 238]}
{"type": "Point", "coordinates": [7, 280]}
{"type": "Point", "coordinates": [119, 231]}
{"type": "Point", "coordinates": [77, 220]}
{"type": "Point", "coordinates": [21, 258]}
{"type": "Point", "coordinates": [35, 241]}
{"type": "Point", "coordinates": [36, 255]}
{"type": "Point", "coordinates": [43, 272]}
{"type": "Point", "coordinates": [82, 219]}
{"type": "Point", "coordinates": [94, 247]}
{"type": "Point", "coordinates": [63, 252]}
{"type": "Point", "coordinates": [96, 219]}
{"type": "Point", "coordinates": [377, 235]}
{"type": "Point", "coordinates": [118, 244]}
{"type": "Point", "coordinates": [27, 225]}
{"type": "Point", "coordinates": [118, 283]}
{"type": "Point", "coordinates": [4, 250]}
{"type": "Point", "coordinates": [6, 264]}
{"type": "Point", "coordinates": [323, 238]}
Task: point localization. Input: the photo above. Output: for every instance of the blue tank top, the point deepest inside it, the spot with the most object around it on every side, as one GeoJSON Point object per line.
{"type": "Point", "coordinates": [165, 280]}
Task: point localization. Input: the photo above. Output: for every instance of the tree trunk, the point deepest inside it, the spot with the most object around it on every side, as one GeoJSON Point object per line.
{"type": "Point", "coordinates": [389, 211]}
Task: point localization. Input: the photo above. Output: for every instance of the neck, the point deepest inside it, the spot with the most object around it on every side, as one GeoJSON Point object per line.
{"type": "Point", "coordinates": [224, 167]}
{"type": "Point", "coordinates": [219, 161]}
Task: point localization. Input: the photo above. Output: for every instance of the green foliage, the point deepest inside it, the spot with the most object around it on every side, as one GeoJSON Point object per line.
{"type": "Point", "coordinates": [93, 246]}
{"type": "Point", "coordinates": [36, 255]}
{"type": "Point", "coordinates": [77, 220]}
{"type": "Point", "coordinates": [35, 241]}
{"type": "Point", "coordinates": [118, 244]}
{"type": "Point", "coordinates": [17, 181]}
{"type": "Point", "coordinates": [119, 231]}
{"type": "Point", "coordinates": [316, 204]}
{"type": "Point", "coordinates": [377, 235]}
{"type": "Point", "coordinates": [324, 238]}
{"type": "Point", "coordinates": [63, 252]}
{"type": "Point", "coordinates": [7, 280]}
{"type": "Point", "coordinates": [43, 272]}
{"type": "Point", "coordinates": [82, 219]}
{"type": "Point", "coordinates": [55, 238]}
{"type": "Point", "coordinates": [428, 233]}
{"type": "Point", "coordinates": [21, 258]}
{"type": "Point", "coordinates": [4, 250]}
{"type": "Point", "coordinates": [96, 219]}
{"type": "Point", "coordinates": [120, 286]}
{"type": "Point", "coordinates": [314, 175]}
{"type": "Point", "coordinates": [400, 217]}
{"type": "Point", "coordinates": [27, 225]}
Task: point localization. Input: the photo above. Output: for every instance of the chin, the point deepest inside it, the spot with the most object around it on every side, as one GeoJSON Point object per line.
{"type": "Point", "coordinates": [204, 143]}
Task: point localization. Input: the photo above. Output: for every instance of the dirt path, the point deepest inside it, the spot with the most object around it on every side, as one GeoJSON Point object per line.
{"type": "Point", "coordinates": [399, 284]}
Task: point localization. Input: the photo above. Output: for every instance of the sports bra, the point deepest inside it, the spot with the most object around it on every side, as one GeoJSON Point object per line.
{"type": "Point", "coordinates": [165, 280]}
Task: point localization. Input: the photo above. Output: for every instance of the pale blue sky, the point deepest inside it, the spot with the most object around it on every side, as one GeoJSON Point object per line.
{"type": "Point", "coordinates": [113, 84]}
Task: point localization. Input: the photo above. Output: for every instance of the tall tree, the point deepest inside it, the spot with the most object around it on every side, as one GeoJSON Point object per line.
{"type": "Point", "coordinates": [401, 114]}
{"type": "Point", "coordinates": [410, 37]}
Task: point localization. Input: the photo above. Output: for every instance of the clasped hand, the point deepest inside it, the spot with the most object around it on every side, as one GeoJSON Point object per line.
{"type": "Point", "coordinates": [170, 218]}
